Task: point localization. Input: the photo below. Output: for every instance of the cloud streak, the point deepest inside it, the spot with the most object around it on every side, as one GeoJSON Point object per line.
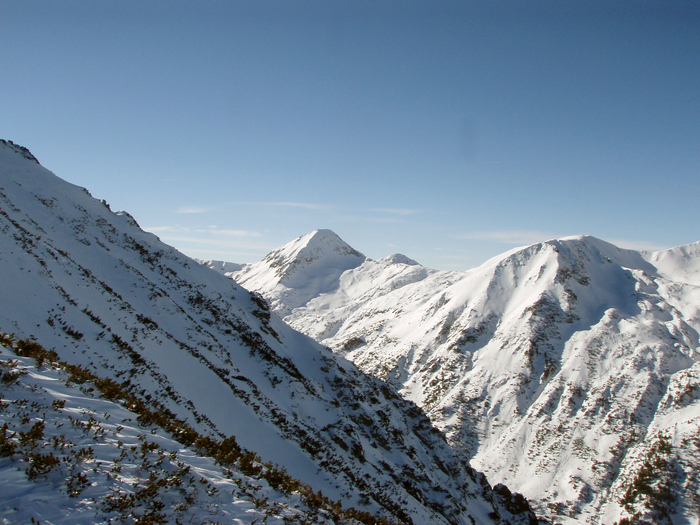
{"type": "Point", "coordinates": [218, 243]}
{"type": "Point", "coordinates": [165, 231]}
{"type": "Point", "coordinates": [394, 211]}
{"type": "Point", "coordinates": [508, 236]}
{"type": "Point", "coordinates": [193, 209]}
{"type": "Point", "coordinates": [303, 205]}
{"type": "Point", "coordinates": [232, 233]}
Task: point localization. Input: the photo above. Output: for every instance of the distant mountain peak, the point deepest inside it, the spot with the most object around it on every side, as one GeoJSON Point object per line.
{"type": "Point", "coordinates": [303, 268]}
{"type": "Point", "coordinates": [321, 233]}
{"type": "Point", "coordinates": [223, 267]}
{"type": "Point", "coordinates": [320, 247]}
{"type": "Point", "coordinates": [398, 258]}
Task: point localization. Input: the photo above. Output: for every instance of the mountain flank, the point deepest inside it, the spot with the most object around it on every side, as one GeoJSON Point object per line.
{"type": "Point", "coordinates": [87, 284]}
{"type": "Point", "coordinates": [568, 370]}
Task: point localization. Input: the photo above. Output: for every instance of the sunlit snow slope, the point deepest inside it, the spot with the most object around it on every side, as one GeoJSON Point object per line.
{"type": "Point", "coordinates": [301, 270]}
{"type": "Point", "coordinates": [69, 456]}
{"type": "Point", "coordinates": [563, 369]}
{"type": "Point", "coordinates": [92, 285]}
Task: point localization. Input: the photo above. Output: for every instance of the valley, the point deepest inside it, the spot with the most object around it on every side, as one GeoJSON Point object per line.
{"type": "Point", "coordinates": [561, 369]}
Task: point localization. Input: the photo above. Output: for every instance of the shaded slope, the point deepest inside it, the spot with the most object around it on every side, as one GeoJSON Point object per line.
{"type": "Point", "coordinates": [72, 452]}
{"type": "Point", "coordinates": [108, 296]}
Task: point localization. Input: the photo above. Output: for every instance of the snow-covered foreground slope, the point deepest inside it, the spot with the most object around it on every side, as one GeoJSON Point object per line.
{"type": "Point", "coordinates": [568, 370]}
{"type": "Point", "coordinates": [105, 295]}
{"type": "Point", "coordinates": [70, 456]}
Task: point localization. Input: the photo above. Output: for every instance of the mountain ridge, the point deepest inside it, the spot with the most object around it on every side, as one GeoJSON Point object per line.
{"type": "Point", "coordinates": [109, 297]}
{"type": "Point", "coordinates": [552, 366]}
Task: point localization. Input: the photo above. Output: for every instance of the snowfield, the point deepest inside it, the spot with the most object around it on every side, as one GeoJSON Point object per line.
{"type": "Point", "coordinates": [79, 458]}
{"type": "Point", "coordinates": [567, 370]}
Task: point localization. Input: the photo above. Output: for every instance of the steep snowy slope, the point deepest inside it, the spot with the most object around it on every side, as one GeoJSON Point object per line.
{"type": "Point", "coordinates": [70, 455]}
{"type": "Point", "coordinates": [105, 295]}
{"type": "Point", "coordinates": [562, 369]}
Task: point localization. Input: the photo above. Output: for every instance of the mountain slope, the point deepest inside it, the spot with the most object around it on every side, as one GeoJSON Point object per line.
{"type": "Point", "coordinates": [70, 456]}
{"type": "Point", "coordinates": [558, 368]}
{"type": "Point", "coordinates": [107, 296]}
{"type": "Point", "coordinates": [222, 267]}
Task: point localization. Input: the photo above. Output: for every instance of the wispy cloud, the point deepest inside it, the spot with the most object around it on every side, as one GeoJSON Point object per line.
{"type": "Point", "coordinates": [508, 236]}
{"type": "Point", "coordinates": [180, 240]}
{"type": "Point", "coordinates": [193, 209]}
{"type": "Point", "coordinates": [184, 230]}
{"type": "Point", "coordinates": [213, 242]}
{"type": "Point", "coordinates": [158, 229]}
{"type": "Point", "coordinates": [232, 233]}
{"type": "Point", "coordinates": [304, 205]}
{"type": "Point", "coordinates": [235, 255]}
{"type": "Point", "coordinates": [370, 219]}
{"type": "Point", "coordinates": [394, 211]}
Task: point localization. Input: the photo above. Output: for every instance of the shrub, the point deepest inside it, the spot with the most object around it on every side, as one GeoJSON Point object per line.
{"type": "Point", "coordinates": [40, 464]}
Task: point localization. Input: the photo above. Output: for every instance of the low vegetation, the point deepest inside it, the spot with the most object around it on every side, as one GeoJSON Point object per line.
{"type": "Point", "coordinates": [167, 475]}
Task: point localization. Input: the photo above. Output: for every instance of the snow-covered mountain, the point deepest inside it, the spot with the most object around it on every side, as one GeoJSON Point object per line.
{"type": "Point", "coordinates": [223, 267]}
{"type": "Point", "coordinates": [89, 284]}
{"type": "Point", "coordinates": [299, 271]}
{"type": "Point", "coordinates": [568, 370]}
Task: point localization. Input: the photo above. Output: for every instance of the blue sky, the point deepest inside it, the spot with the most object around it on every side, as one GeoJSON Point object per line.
{"type": "Point", "coordinates": [448, 131]}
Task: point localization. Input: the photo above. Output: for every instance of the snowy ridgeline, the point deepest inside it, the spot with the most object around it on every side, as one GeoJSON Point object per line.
{"type": "Point", "coordinates": [568, 370]}
{"type": "Point", "coordinates": [90, 285]}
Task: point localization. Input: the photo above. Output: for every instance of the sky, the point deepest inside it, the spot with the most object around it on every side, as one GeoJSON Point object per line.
{"type": "Point", "coordinates": [447, 131]}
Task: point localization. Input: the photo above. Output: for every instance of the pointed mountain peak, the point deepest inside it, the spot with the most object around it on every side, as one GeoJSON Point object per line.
{"type": "Point", "coordinates": [303, 268]}
{"type": "Point", "coordinates": [319, 249]}
{"type": "Point", "coordinates": [319, 240]}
